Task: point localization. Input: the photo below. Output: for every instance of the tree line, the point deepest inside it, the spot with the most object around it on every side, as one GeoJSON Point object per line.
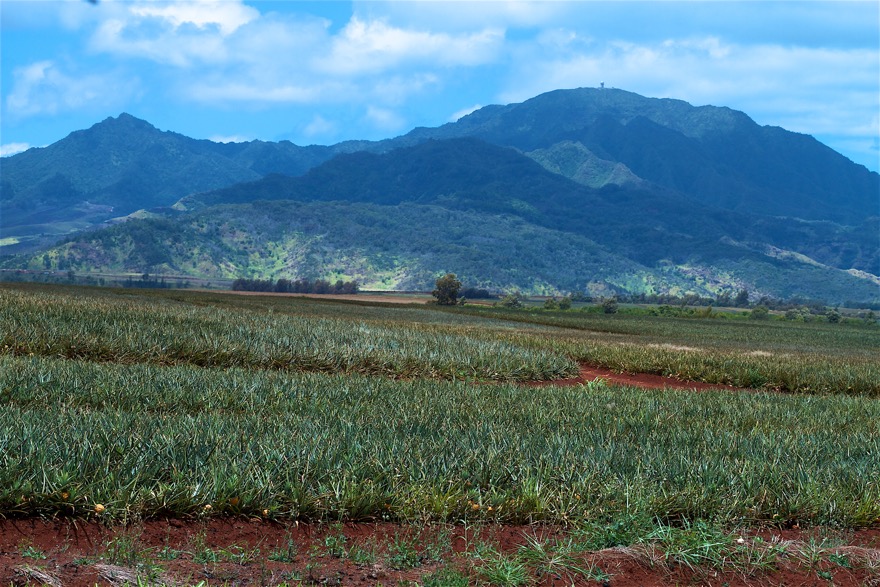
{"type": "Point", "coordinates": [318, 286]}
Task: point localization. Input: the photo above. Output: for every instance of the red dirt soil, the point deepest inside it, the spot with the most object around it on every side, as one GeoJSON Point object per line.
{"type": "Point", "coordinates": [644, 380]}
{"type": "Point", "coordinates": [77, 554]}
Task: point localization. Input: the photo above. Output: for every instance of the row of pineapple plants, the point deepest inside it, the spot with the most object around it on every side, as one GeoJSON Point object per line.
{"type": "Point", "coordinates": [139, 441]}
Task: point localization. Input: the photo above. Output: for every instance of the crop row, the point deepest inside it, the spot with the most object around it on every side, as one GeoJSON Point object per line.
{"type": "Point", "coordinates": [815, 337]}
{"type": "Point", "coordinates": [792, 372]}
{"type": "Point", "coordinates": [112, 329]}
{"type": "Point", "coordinates": [296, 334]}
{"type": "Point", "coordinates": [794, 357]}
{"type": "Point", "coordinates": [145, 440]}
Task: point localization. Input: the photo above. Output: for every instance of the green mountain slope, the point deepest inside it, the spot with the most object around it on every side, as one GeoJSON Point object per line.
{"type": "Point", "coordinates": [488, 213]}
{"type": "Point", "coordinates": [405, 246]}
{"type": "Point", "coordinates": [124, 164]}
{"type": "Point", "coordinates": [642, 222]}
{"type": "Point", "coordinates": [716, 156]}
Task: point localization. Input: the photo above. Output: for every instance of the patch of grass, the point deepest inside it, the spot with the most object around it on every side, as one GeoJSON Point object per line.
{"type": "Point", "coordinates": [446, 577]}
{"type": "Point", "coordinates": [694, 546]}
{"type": "Point", "coordinates": [562, 558]}
{"type": "Point", "coordinates": [363, 553]}
{"type": "Point", "coordinates": [126, 549]}
{"type": "Point", "coordinates": [238, 554]}
{"type": "Point", "coordinates": [284, 555]}
{"type": "Point", "coordinates": [109, 329]}
{"type": "Point", "coordinates": [841, 560]}
{"type": "Point", "coordinates": [804, 358]}
{"type": "Point", "coordinates": [200, 551]}
{"type": "Point", "coordinates": [402, 553]}
{"type": "Point", "coordinates": [335, 543]}
{"type": "Point", "coordinates": [32, 552]}
{"type": "Point", "coordinates": [503, 570]}
{"type": "Point", "coordinates": [624, 530]}
{"type": "Point", "coordinates": [167, 553]}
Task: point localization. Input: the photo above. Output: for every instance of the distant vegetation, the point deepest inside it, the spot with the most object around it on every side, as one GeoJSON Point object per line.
{"type": "Point", "coordinates": [446, 290]}
{"type": "Point", "coordinates": [401, 247]}
{"type": "Point", "coordinates": [318, 286]}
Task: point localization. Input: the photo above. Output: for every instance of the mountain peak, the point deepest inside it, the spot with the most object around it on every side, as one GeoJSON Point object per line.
{"type": "Point", "coordinates": [124, 120]}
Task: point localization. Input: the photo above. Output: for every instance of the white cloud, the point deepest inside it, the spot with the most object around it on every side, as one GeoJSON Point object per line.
{"type": "Point", "coordinates": [228, 139]}
{"type": "Point", "coordinates": [43, 88]}
{"type": "Point", "coordinates": [48, 14]}
{"type": "Point", "coordinates": [176, 33]}
{"type": "Point", "coordinates": [13, 149]}
{"type": "Point", "coordinates": [226, 16]}
{"type": "Point", "coordinates": [212, 52]}
{"type": "Point", "coordinates": [373, 46]}
{"type": "Point", "coordinates": [468, 15]}
{"type": "Point", "coordinates": [384, 119]}
{"type": "Point", "coordinates": [398, 88]}
{"type": "Point", "coordinates": [320, 126]}
{"type": "Point", "coordinates": [218, 90]}
{"type": "Point", "coordinates": [464, 112]}
{"type": "Point", "coordinates": [168, 45]}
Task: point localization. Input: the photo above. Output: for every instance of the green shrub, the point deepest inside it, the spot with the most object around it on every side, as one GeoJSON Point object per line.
{"type": "Point", "coordinates": [760, 313]}
{"type": "Point", "coordinates": [511, 300]}
{"type": "Point", "coordinates": [609, 305]}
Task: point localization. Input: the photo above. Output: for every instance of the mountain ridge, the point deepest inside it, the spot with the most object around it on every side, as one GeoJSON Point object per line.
{"type": "Point", "coordinates": [655, 182]}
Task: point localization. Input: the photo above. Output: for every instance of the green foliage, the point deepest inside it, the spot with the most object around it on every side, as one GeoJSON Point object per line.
{"type": "Point", "coordinates": [446, 290]}
{"type": "Point", "coordinates": [149, 440]}
{"type": "Point", "coordinates": [318, 286]}
{"type": "Point", "coordinates": [403, 246]}
{"type": "Point", "coordinates": [32, 552]}
{"type": "Point", "coordinates": [446, 577]}
{"type": "Point", "coordinates": [111, 328]}
{"type": "Point", "coordinates": [801, 314]}
{"type": "Point", "coordinates": [511, 300]}
{"type": "Point", "coordinates": [807, 358]}
{"type": "Point", "coordinates": [609, 306]}
{"type": "Point", "coordinates": [284, 555]}
{"type": "Point", "coordinates": [759, 313]}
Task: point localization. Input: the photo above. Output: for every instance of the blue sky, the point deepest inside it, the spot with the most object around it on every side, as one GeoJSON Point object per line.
{"type": "Point", "coordinates": [322, 72]}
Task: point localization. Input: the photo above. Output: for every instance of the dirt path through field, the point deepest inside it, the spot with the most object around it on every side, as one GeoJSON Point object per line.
{"type": "Point", "coordinates": [643, 380]}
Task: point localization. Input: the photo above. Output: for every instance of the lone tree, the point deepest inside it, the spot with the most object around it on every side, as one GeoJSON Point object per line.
{"type": "Point", "coordinates": [447, 288]}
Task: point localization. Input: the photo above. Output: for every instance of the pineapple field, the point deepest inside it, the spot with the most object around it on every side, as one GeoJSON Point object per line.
{"type": "Point", "coordinates": [206, 438]}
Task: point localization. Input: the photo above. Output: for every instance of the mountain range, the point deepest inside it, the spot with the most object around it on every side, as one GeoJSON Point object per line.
{"type": "Point", "coordinates": [595, 190]}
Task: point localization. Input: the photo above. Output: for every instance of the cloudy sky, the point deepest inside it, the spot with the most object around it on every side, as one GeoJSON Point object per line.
{"type": "Point", "coordinates": [322, 72]}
